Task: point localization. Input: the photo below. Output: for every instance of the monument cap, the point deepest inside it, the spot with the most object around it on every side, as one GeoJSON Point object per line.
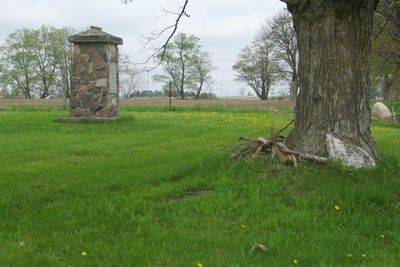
{"type": "Point", "coordinates": [95, 35]}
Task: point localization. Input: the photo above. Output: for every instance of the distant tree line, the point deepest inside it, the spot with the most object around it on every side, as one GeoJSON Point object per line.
{"type": "Point", "coordinates": [36, 63]}
{"type": "Point", "coordinates": [146, 93]}
{"type": "Point", "coordinates": [159, 93]}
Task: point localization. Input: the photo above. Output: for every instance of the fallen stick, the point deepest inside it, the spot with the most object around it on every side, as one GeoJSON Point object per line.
{"type": "Point", "coordinates": [302, 155]}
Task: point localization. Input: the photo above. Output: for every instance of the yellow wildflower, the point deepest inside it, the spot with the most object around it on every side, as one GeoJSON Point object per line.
{"type": "Point", "coordinates": [199, 264]}
{"type": "Point", "coordinates": [295, 262]}
{"type": "Point", "coordinates": [382, 236]}
{"type": "Point", "coordinates": [84, 253]}
{"type": "Point", "coordinates": [337, 207]}
{"type": "Point", "coordinates": [364, 255]}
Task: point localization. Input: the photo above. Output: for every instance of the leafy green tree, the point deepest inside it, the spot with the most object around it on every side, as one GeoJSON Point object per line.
{"type": "Point", "coordinates": [46, 55]}
{"type": "Point", "coordinates": [257, 67]}
{"type": "Point", "coordinates": [18, 63]}
{"type": "Point", "coordinates": [63, 51]}
{"type": "Point", "coordinates": [186, 66]}
{"type": "Point", "coordinates": [201, 72]}
{"type": "Point", "coordinates": [37, 62]}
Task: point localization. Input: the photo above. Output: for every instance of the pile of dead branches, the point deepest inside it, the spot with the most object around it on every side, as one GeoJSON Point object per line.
{"type": "Point", "coordinates": [273, 147]}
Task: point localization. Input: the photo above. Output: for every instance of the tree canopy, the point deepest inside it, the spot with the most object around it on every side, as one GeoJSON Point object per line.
{"type": "Point", "coordinates": [186, 66]}
{"type": "Point", "coordinates": [279, 31]}
{"type": "Point", "coordinates": [36, 62]}
{"type": "Point", "coordinates": [256, 67]}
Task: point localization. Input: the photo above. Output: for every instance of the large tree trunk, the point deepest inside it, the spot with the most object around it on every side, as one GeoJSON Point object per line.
{"type": "Point", "coordinates": [294, 86]}
{"type": "Point", "coordinates": [198, 91]}
{"type": "Point", "coordinates": [333, 38]}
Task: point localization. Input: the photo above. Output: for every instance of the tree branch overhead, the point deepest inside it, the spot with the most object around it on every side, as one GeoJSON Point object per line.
{"type": "Point", "coordinates": [155, 35]}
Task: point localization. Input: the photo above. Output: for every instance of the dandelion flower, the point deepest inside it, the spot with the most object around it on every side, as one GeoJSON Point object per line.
{"type": "Point", "coordinates": [84, 253]}
{"type": "Point", "coordinates": [382, 236]}
{"type": "Point", "coordinates": [295, 262]}
{"type": "Point", "coordinates": [199, 264]}
{"type": "Point", "coordinates": [337, 207]}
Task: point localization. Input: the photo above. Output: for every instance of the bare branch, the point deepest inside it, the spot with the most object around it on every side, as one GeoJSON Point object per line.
{"type": "Point", "coordinates": [386, 23]}
{"type": "Point", "coordinates": [157, 34]}
{"type": "Point", "coordinates": [175, 27]}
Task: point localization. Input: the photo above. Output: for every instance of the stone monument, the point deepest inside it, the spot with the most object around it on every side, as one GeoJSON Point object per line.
{"type": "Point", "coordinates": [94, 77]}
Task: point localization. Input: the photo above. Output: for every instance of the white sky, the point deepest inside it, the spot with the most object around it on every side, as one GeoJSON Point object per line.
{"type": "Point", "coordinates": [223, 26]}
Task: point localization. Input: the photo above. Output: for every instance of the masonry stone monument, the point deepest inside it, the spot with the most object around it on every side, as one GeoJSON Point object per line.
{"type": "Point", "coordinates": [94, 77]}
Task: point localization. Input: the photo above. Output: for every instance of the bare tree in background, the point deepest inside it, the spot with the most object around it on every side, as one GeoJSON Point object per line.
{"type": "Point", "coordinates": [257, 67]}
{"type": "Point", "coordinates": [130, 79]}
{"type": "Point", "coordinates": [280, 31]}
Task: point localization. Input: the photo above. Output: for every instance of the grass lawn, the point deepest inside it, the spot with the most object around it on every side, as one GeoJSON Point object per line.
{"type": "Point", "coordinates": [124, 194]}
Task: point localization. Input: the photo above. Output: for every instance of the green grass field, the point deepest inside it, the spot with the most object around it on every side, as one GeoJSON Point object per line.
{"type": "Point", "coordinates": [157, 188]}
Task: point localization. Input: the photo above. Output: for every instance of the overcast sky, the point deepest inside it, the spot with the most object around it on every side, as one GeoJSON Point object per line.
{"type": "Point", "coordinates": [223, 26]}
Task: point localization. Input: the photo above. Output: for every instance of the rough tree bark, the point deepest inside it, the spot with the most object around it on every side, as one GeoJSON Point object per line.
{"type": "Point", "coordinates": [294, 87]}
{"type": "Point", "coordinates": [333, 38]}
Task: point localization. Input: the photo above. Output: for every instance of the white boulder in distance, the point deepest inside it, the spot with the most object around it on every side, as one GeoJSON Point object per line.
{"type": "Point", "coordinates": [381, 111]}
